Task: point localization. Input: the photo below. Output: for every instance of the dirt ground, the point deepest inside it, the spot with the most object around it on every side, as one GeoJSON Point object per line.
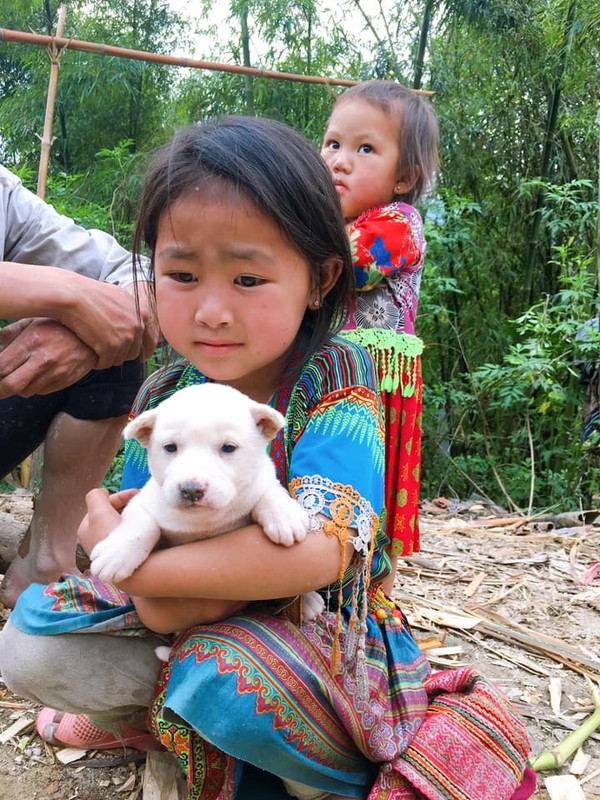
{"type": "Point", "coordinates": [503, 594]}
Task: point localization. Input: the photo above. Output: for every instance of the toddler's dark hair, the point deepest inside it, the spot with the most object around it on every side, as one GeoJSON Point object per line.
{"type": "Point", "coordinates": [419, 131]}
{"type": "Point", "coordinates": [282, 174]}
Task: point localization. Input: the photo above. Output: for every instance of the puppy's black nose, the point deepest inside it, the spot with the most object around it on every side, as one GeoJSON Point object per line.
{"type": "Point", "coordinates": [191, 492]}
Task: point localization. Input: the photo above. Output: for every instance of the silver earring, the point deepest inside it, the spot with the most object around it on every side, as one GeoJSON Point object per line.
{"type": "Point", "coordinates": [316, 304]}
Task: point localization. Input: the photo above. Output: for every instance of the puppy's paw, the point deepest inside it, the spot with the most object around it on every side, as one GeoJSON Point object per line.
{"type": "Point", "coordinates": [163, 653]}
{"type": "Point", "coordinates": [114, 559]}
{"type": "Point", "coordinates": [284, 521]}
{"type": "Point", "coordinates": [312, 606]}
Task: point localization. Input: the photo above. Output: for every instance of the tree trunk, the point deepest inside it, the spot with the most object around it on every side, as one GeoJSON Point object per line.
{"type": "Point", "coordinates": [248, 79]}
{"type": "Point", "coordinates": [540, 197]}
{"type": "Point", "coordinates": [420, 59]}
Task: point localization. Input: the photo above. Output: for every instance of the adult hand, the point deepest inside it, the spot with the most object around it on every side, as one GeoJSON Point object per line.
{"type": "Point", "coordinates": [104, 514]}
{"type": "Point", "coordinates": [106, 318]}
{"type": "Point", "coordinates": [40, 356]}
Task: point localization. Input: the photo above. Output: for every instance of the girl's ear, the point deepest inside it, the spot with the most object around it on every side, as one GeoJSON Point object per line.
{"type": "Point", "coordinates": [332, 268]}
{"type": "Point", "coordinates": [404, 183]}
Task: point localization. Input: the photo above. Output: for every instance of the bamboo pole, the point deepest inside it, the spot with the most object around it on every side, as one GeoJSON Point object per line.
{"type": "Point", "coordinates": [54, 54]}
{"type": "Point", "coordinates": [31, 466]}
{"type": "Point", "coordinates": [23, 37]}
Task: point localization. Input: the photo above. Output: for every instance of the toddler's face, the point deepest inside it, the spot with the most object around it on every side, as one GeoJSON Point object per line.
{"type": "Point", "coordinates": [231, 291]}
{"type": "Point", "coordinates": [361, 148]}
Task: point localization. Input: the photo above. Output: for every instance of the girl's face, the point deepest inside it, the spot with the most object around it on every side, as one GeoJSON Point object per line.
{"type": "Point", "coordinates": [361, 149]}
{"type": "Point", "coordinates": [231, 291]}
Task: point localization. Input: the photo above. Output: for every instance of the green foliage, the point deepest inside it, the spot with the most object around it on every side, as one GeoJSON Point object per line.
{"type": "Point", "coordinates": [525, 408]}
{"type": "Point", "coordinates": [512, 231]}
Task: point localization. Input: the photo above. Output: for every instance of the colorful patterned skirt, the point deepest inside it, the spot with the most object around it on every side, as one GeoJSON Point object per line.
{"type": "Point", "coordinates": [259, 690]}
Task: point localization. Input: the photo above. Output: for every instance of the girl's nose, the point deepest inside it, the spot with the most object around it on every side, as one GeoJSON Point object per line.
{"type": "Point", "coordinates": [213, 311]}
{"type": "Point", "coordinates": [339, 161]}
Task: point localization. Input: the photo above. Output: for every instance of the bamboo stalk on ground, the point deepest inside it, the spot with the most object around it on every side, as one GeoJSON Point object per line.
{"type": "Point", "coordinates": [555, 758]}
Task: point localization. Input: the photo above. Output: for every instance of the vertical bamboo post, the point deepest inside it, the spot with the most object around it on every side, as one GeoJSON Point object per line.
{"type": "Point", "coordinates": [31, 466]}
{"type": "Point", "coordinates": [50, 101]}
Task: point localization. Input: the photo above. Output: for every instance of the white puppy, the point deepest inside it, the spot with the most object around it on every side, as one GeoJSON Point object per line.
{"type": "Point", "coordinates": [210, 474]}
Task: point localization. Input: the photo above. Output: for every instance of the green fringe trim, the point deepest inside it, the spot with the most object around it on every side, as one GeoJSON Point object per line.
{"type": "Point", "coordinates": [394, 354]}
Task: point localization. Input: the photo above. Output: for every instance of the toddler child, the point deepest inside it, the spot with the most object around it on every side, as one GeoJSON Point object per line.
{"type": "Point", "coordinates": [381, 145]}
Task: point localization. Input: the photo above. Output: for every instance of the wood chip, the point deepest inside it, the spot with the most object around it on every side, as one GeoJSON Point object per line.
{"type": "Point", "coordinates": [69, 754]}
{"type": "Point", "coordinates": [17, 727]}
{"type": "Point", "coordinates": [129, 784]}
{"type": "Point", "coordinates": [449, 619]}
{"type": "Point", "coordinates": [563, 787]}
{"type": "Point", "coordinates": [445, 651]}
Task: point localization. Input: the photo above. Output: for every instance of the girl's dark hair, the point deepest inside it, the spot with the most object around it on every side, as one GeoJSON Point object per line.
{"type": "Point", "coordinates": [419, 131]}
{"type": "Point", "coordinates": [277, 170]}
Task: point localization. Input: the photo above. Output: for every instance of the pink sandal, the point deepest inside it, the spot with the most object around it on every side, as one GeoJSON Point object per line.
{"type": "Point", "coordinates": [76, 730]}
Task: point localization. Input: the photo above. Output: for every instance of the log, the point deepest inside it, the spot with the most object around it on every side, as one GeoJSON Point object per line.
{"type": "Point", "coordinates": [15, 515]}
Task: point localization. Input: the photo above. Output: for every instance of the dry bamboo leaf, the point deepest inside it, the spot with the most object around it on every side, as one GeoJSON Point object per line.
{"type": "Point", "coordinates": [475, 584]}
{"type": "Point", "coordinates": [580, 763]}
{"type": "Point", "coordinates": [563, 787]}
{"type": "Point", "coordinates": [555, 694]}
{"type": "Point", "coordinates": [129, 784]}
{"type": "Point", "coordinates": [450, 619]}
{"type": "Point", "coordinates": [160, 777]}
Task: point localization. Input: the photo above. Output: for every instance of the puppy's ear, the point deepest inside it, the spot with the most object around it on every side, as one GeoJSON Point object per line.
{"type": "Point", "coordinates": [268, 420]}
{"type": "Point", "coordinates": [141, 428]}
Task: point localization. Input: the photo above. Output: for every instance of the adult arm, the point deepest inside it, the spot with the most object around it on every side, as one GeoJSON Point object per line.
{"type": "Point", "coordinates": [89, 288]}
{"type": "Point", "coordinates": [104, 316]}
{"type": "Point", "coordinates": [40, 356]}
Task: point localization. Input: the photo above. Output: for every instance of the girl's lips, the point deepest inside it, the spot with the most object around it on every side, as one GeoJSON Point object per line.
{"type": "Point", "coordinates": [217, 347]}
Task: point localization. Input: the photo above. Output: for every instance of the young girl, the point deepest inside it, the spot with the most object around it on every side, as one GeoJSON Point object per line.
{"type": "Point", "coordinates": [381, 146]}
{"type": "Point", "coordinates": [252, 273]}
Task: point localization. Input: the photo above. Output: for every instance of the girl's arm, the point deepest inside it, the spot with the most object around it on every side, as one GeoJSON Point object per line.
{"type": "Point", "coordinates": [231, 569]}
{"type": "Point", "coordinates": [384, 242]}
{"type": "Point", "coordinates": [171, 614]}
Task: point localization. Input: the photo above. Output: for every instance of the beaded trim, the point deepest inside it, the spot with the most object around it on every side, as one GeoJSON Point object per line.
{"type": "Point", "coordinates": [340, 511]}
{"type": "Point", "coordinates": [395, 355]}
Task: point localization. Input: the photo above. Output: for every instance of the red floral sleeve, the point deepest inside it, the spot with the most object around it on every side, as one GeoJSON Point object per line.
{"type": "Point", "coordinates": [383, 243]}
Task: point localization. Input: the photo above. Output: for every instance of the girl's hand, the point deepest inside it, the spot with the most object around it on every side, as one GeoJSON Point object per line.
{"type": "Point", "coordinates": [103, 515]}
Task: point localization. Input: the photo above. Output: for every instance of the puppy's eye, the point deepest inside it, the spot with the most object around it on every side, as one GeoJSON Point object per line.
{"type": "Point", "coordinates": [170, 447]}
{"type": "Point", "coordinates": [228, 448]}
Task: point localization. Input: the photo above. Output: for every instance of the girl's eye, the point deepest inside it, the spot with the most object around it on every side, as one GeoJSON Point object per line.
{"type": "Point", "coordinates": [365, 148]}
{"type": "Point", "coordinates": [183, 277]}
{"type": "Point", "coordinates": [249, 281]}
{"type": "Point", "coordinates": [228, 448]}
{"type": "Point", "coordinates": [170, 447]}
{"type": "Point", "coordinates": [332, 145]}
